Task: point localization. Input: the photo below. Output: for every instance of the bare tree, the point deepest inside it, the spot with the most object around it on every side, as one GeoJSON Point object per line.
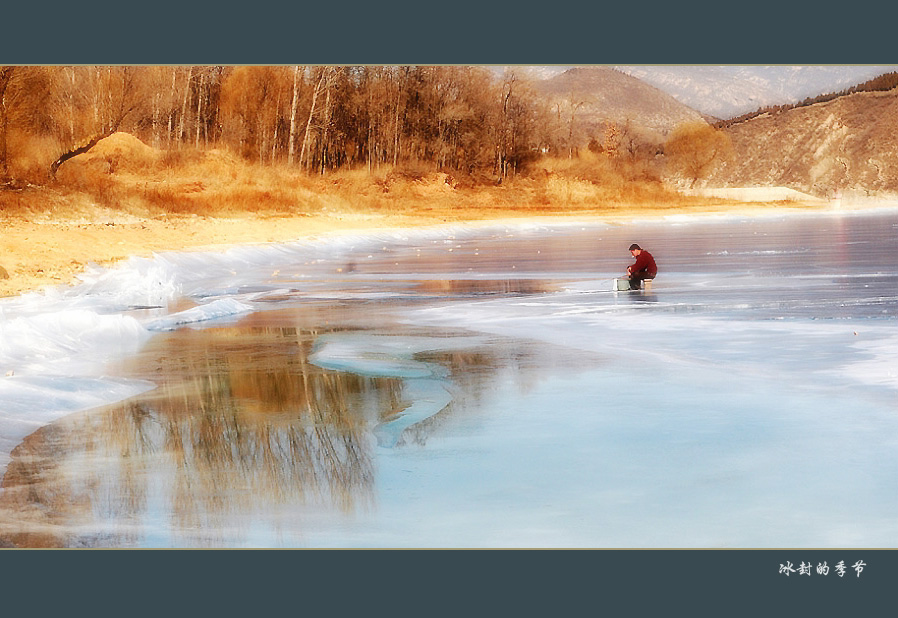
{"type": "Point", "coordinates": [574, 103]}
{"type": "Point", "coordinates": [117, 94]}
{"type": "Point", "coordinates": [321, 118]}
{"type": "Point", "coordinates": [507, 92]}
{"type": "Point", "coordinates": [6, 75]}
{"type": "Point", "coordinates": [183, 117]}
{"type": "Point", "coordinates": [695, 149]}
{"type": "Point", "coordinates": [325, 79]}
{"type": "Point", "coordinates": [293, 104]}
{"type": "Point", "coordinates": [251, 98]}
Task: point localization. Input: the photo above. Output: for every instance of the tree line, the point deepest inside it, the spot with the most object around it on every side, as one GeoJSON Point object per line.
{"type": "Point", "coordinates": [317, 118]}
{"type": "Point", "coordinates": [881, 83]}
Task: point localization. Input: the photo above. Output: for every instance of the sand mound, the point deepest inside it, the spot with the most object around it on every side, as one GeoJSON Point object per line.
{"type": "Point", "coordinates": [124, 144]}
{"type": "Point", "coordinates": [125, 150]}
{"type": "Point", "coordinates": [120, 152]}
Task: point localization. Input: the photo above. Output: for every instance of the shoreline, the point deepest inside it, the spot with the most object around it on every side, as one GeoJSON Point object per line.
{"type": "Point", "coordinates": [54, 251]}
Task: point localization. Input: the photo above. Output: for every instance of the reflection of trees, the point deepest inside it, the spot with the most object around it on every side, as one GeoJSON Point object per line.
{"type": "Point", "coordinates": [477, 373]}
{"type": "Point", "coordinates": [240, 421]}
{"type": "Point", "coordinates": [240, 424]}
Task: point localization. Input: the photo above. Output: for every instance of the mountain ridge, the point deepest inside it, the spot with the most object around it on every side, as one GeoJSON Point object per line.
{"type": "Point", "coordinates": [847, 144]}
{"type": "Point", "coordinates": [726, 91]}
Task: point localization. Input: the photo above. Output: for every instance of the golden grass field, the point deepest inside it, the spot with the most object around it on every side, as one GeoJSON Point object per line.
{"type": "Point", "coordinates": [125, 198]}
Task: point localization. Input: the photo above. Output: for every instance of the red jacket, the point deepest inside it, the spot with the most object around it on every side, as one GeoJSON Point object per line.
{"type": "Point", "coordinates": [644, 262]}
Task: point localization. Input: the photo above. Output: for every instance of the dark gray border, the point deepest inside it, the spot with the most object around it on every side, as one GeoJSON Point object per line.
{"type": "Point", "coordinates": [520, 582]}
{"type": "Point", "coordinates": [449, 582]}
{"type": "Point", "coordinates": [461, 32]}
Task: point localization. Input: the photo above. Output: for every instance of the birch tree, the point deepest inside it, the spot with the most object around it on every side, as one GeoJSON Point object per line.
{"type": "Point", "coordinates": [293, 104]}
{"type": "Point", "coordinates": [324, 80]}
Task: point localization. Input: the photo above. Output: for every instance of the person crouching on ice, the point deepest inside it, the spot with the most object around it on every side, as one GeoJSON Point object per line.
{"type": "Point", "coordinates": [643, 268]}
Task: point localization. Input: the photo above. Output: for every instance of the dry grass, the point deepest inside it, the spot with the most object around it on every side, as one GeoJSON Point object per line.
{"type": "Point", "coordinates": [124, 174]}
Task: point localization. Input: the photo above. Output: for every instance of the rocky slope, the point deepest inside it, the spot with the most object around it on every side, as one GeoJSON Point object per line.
{"type": "Point", "coordinates": [848, 145]}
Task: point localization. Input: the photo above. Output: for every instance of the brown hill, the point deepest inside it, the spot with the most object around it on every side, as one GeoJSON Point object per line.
{"type": "Point", "coordinates": [848, 145]}
{"type": "Point", "coordinates": [602, 94]}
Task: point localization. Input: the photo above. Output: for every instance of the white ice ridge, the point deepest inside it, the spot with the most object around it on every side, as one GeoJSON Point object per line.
{"type": "Point", "coordinates": [428, 398]}
{"type": "Point", "coordinates": [52, 364]}
{"type": "Point", "coordinates": [424, 384]}
{"type": "Point", "coordinates": [221, 308]}
{"type": "Point", "coordinates": [70, 342]}
{"type": "Point", "coordinates": [163, 277]}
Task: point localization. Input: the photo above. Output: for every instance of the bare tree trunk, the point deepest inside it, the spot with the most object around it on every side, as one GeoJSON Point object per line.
{"type": "Point", "coordinates": [98, 79]}
{"type": "Point", "coordinates": [260, 131]}
{"type": "Point", "coordinates": [115, 113]}
{"type": "Point", "coordinates": [199, 109]}
{"type": "Point", "coordinates": [156, 120]}
{"type": "Point", "coordinates": [72, 105]}
{"type": "Point", "coordinates": [305, 140]}
{"type": "Point", "coordinates": [171, 104]}
{"type": "Point", "coordinates": [396, 127]}
{"type": "Point", "coordinates": [4, 127]}
{"type": "Point", "coordinates": [184, 107]}
{"type": "Point", "coordinates": [6, 74]}
{"type": "Point", "coordinates": [327, 120]}
{"type": "Point", "coordinates": [293, 115]}
{"type": "Point", "coordinates": [81, 150]}
{"type": "Point", "coordinates": [503, 141]}
{"type": "Point", "coordinates": [274, 138]}
{"type": "Point", "coordinates": [370, 135]}
{"type": "Point", "coordinates": [570, 135]}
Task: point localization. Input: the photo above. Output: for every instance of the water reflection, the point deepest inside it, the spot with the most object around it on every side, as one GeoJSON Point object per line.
{"type": "Point", "coordinates": [474, 287]}
{"type": "Point", "coordinates": [240, 417]}
{"type": "Point", "coordinates": [247, 442]}
{"type": "Point", "coordinates": [240, 425]}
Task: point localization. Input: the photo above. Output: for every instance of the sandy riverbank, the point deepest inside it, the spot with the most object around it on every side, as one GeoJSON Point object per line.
{"type": "Point", "coordinates": [52, 250]}
{"type": "Point", "coordinates": [124, 198]}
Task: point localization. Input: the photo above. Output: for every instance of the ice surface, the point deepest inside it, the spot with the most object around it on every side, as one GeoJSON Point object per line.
{"type": "Point", "coordinates": [64, 340]}
{"type": "Point", "coordinates": [748, 400]}
{"type": "Point", "coordinates": [425, 385]}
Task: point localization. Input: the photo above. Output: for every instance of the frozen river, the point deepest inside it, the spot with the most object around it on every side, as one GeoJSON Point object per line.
{"type": "Point", "coordinates": [459, 387]}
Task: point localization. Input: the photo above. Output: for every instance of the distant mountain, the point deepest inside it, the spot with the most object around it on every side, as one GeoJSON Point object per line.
{"type": "Point", "coordinates": [849, 144]}
{"type": "Point", "coordinates": [602, 94]}
{"type": "Point", "coordinates": [728, 91]}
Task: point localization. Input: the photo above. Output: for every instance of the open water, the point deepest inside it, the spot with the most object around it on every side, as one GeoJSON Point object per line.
{"type": "Point", "coordinates": [457, 387]}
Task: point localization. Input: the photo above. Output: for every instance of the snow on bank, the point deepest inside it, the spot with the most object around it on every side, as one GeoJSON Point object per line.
{"type": "Point", "coordinates": [53, 363]}
{"type": "Point", "coordinates": [756, 194]}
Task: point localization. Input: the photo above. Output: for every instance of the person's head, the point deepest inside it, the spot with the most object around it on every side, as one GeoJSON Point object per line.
{"type": "Point", "coordinates": [635, 249]}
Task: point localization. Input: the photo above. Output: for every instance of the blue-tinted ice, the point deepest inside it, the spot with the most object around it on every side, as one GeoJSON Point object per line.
{"type": "Point", "coordinates": [468, 388]}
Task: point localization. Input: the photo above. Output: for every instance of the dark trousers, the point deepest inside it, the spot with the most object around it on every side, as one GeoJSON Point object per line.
{"type": "Point", "coordinates": [636, 279]}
